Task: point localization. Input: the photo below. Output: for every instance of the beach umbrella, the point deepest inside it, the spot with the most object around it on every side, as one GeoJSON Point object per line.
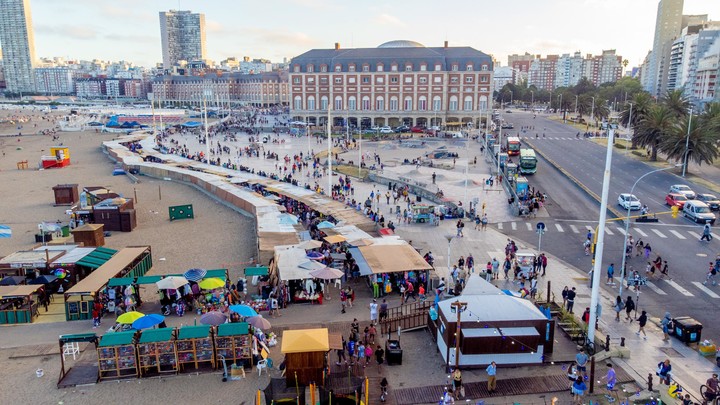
{"type": "Point", "coordinates": [195, 274]}
{"type": "Point", "coordinates": [60, 273]}
{"type": "Point", "coordinates": [259, 322]}
{"type": "Point", "coordinates": [43, 280]}
{"type": "Point", "coordinates": [288, 219]}
{"type": "Point", "coordinates": [311, 265]}
{"type": "Point", "coordinates": [243, 310]}
{"type": "Point", "coordinates": [315, 255]}
{"type": "Point", "coordinates": [211, 283]}
{"type": "Point", "coordinates": [309, 244]}
{"type": "Point", "coordinates": [327, 273]}
{"type": "Point", "coordinates": [129, 317]}
{"type": "Point", "coordinates": [147, 321]}
{"type": "Point", "coordinates": [325, 225]}
{"type": "Point", "coordinates": [171, 283]}
{"type": "Point", "coordinates": [12, 280]}
{"type": "Point", "coordinates": [213, 318]}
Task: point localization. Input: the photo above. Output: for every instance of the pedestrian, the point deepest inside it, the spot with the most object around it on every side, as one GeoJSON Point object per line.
{"type": "Point", "coordinates": [629, 307]}
{"type": "Point", "coordinates": [564, 295]}
{"type": "Point", "coordinates": [571, 300]}
{"type": "Point", "coordinates": [706, 233]}
{"type": "Point", "coordinates": [586, 315]}
{"type": "Point", "coordinates": [665, 323]}
{"type": "Point", "coordinates": [343, 300]}
{"type": "Point", "coordinates": [495, 268]}
{"type": "Point", "coordinates": [619, 305]}
{"type": "Point", "coordinates": [372, 331]}
{"type": "Point", "coordinates": [665, 270]}
{"type": "Point", "coordinates": [610, 381]}
{"type": "Point", "coordinates": [611, 274]}
{"type": "Point", "coordinates": [470, 263]}
{"type": "Point", "coordinates": [373, 311]}
{"type": "Point", "coordinates": [642, 321]}
{"type": "Point", "coordinates": [410, 292]}
{"type": "Point", "coordinates": [648, 250]}
{"type": "Point", "coordinates": [460, 225]}
{"type": "Point", "coordinates": [457, 383]}
{"type": "Point", "coordinates": [712, 387]}
{"type": "Point", "coordinates": [361, 354]}
{"type": "Point", "coordinates": [664, 370]}
{"type": "Point", "coordinates": [581, 360]}
{"type": "Point", "coordinates": [383, 309]}
{"type": "Point", "coordinates": [383, 389]}
{"type": "Point", "coordinates": [639, 246]}
{"type": "Point", "coordinates": [506, 266]}
{"type": "Point", "coordinates": [341, 353]}
{"type": "Point", "coordinates": [544, 262]}
{"type": "Point", "coordinates": [379, 355]}
{"type": "Point", "coordinates": [492, 377]}
{"type": "Point", "coordinates": [484, 222]}
{"type": "Point", "coordinates": [578, 390]}
{"type": "Point", "coordinates": [712, 271]}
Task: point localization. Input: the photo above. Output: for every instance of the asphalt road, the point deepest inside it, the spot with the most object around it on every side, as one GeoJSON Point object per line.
{"type": "Point", "coordinates": [573, 210]}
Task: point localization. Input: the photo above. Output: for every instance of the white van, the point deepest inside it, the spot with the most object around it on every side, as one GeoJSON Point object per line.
{"type": "Point", "coordinates": [699, 212]}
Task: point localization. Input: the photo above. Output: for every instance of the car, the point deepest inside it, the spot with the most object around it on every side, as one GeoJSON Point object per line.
{"type": "Point", "coordinates": [678, 200]}
{"type": "Point", "coordinates": [629, 201]}
{"type": "Point", "coordinates": [386, 130]}
{"type": "Point", "coordinates": [709, 199]}
{"type": "Point", "coordinates": [507, 125]}
{"type": "Point", "coordinates": [402, 129]}
{"type": "Point", "coordinates": [682, 189]}
{"type": "Point", "coordinates": [418, 129]}
{"type": "Point", "coordinates": [698, 212]}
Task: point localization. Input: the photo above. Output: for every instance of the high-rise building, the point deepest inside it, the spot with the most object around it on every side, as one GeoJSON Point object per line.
{"type": "Point", "coordinates": [667, 26]}
{"type": "Point", "coordinates": [54, 80]}
{"type": "Point", "coordinates": [18, 45]}
{"type": "Point", "coordinates": [183, 36]}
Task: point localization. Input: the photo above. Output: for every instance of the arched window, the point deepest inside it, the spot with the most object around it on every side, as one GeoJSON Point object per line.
{"type": "Point", "coordinates": [352, 103]}
{"type": "Point", "coordinates": [422, 103]}
{"type": "Point", "coordinates": [468, 103]}
{"type": "Point", "coordinates": [407, 103]}
{"type": "Point", "coordinates": [323, 103]}
{"type": "Point", "coordinates": [366, 103]}
{"type": "Point", "coordinates": [298, 103]}
{"type": "Point", "coordinates": [338, 103]}
{"type": "Point", "coordinates": [453, 105]}
{"type": "Point", "coordinates": [483, 104]}
{"type": "Point", "coordinates": [379, 103]}
{"type": "Point", "coordinates": [437, 103]}
{"type": "Point", "coordinates": [393, 103]}
{"type": "Point", "coordinates": [311, 102]}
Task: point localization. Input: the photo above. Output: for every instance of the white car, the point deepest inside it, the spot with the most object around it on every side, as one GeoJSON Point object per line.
{"type": "Point", "coordinates": [629, 201]}
{"type": "Point", "coordinates": [386, 130]}
{"type": "Point", "coordinates": [684, 190]}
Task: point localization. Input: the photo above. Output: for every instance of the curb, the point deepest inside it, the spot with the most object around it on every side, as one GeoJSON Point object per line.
{"type": "Point", "coordinates": [574, 179]}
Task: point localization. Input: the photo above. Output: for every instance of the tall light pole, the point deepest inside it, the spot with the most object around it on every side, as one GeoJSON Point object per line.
{"type": "Point", "coordinates": [627, 141]}
{"type": "Point", "coordinates": [627, 224]}
{"type": "Point", "coordinates": [458, 307]}
{"type": "Point", "coordinates": [592, 111]}
{"type": "Point", "coordinates": [687, 143]}
{"type": "Point", "coordinates": [576, 101]}
{"type": "Point", "coordinates": [532, 99]}
{"type": "Point", "coordinates": [206, 94]}
{"type": "Point", "coordinates": [561, 108]}
{"type": "Point", "coordinates": [449, 239]}
{"type": "Point", "coordinates": [329, 151]}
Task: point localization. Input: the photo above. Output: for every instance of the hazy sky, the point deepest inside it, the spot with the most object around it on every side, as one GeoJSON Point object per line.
{"type": "Point", "coordinates": [273, 29]}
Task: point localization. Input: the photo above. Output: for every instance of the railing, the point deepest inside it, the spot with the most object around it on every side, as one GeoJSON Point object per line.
{"type": "Point", "coordinates": [408, 316]}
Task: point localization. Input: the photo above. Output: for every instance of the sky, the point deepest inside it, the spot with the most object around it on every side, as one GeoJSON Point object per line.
{"type": "Point", "coordinates": [275, 29]}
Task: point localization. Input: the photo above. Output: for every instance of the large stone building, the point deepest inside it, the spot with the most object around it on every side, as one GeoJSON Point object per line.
{"type": "Point", "coordinates": [18, 45]}
{"type": "Point", "coordinates": [397, 82]}
{"type": "Point", "coordinates": [183, 36]}
{"type": "Point", "coordinates": [566, 70]}
{"type": "Point", "coordinates": [54, 80]}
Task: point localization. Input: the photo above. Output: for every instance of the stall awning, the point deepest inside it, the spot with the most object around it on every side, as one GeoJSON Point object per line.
{"type": "Point", "coordinates": [393, 258]}
{"type": "Point", "coordinates": [334, 239]}
{"type": "Point", "coordinates": [233, 329]}
{"type": "Point", "coordinates": [194, 332]}
{"type": "Point", "coordinates": [78, 337]}
{"type": "Point", "coordinates": [117, 338]}
{"type": "Point", "coordinates": [142, 280]}
{"type": "Point", "coordinates": [219, 273]}
{"type": "Point", "coordinates": [305, 340]}
{"type": "Point", "coordinates": [256, 271]}
{"type": "Point", "coordinates": [96, 258]}
{"type": "Point", "coordinates": [156, 335]}
{"type": "Point", "coordinates": [99, 278]}
{"type": "Point", "coordinates": [121, 281]}
{"type": "Point", "coordinates": [8, 291]}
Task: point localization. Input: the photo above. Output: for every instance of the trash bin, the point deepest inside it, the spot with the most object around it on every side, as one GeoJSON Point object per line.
{"type": "Point", "coordinates": [393, 352]}
{"type": "Point", "coordinates": [687, 329]}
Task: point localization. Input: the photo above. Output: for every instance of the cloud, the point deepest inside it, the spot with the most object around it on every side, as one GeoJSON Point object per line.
{"type": "Point", "coordinates": [83, 32]}
{"type": "Point", "coordinates": [131, 38]}
{"type": "Point", "coordinates": [387, 19]}
{"type": "Point", "coordinates": [215, 26]}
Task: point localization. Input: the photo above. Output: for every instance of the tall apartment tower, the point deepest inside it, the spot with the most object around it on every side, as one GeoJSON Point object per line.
{"type": "Point", "coordinates": [667, 27]}
{"type": "Point", "coordinates": [18, 45]}
{"type": "Point", "coordinates": [183, 36]}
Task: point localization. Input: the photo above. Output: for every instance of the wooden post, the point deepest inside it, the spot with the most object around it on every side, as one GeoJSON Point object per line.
{"type": "Point", "coordinates": [459, 308]}
{"type": "Point", "coordinates": [547, 300]}
{"type": "Point", "coordinates": [135, 193]}
{"type": "Point", "coordinates": [159, 193]}
{"type": "Point", "coordinates": [592, 375]}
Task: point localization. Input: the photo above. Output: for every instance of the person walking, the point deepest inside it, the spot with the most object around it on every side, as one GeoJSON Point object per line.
{"type": "Point", "coordinates": [457, 383]}
{"type": "Point", "coordinates": [619, 305]}
{"type": "Point", "coordinates": [578, 390]}
{"type": "Point", "coordinates": [373, 311]}
{"type": "Point", "coordinates": [379, 355]}
{"type": "Point", "coordinates": [383, 309]}
{"type": "Point", "coordinates": [492, 377]}
{"type": "Point", "coordinates": [665, 323]}
{"type": "Point", "coordinates": [629, 307]}
{"type": "Point", "coordinates": [712, 271]}
{"type": "Point", "coordinates": [470, 263]}
{"type": "Point", "coordinates": [571, 299]}
{"type": "Point", "coordinates": [706, 233]}
{"type": "Point", "coordinates": [610, 381]}
{"type": "Point", "coordinates": [712, 388]}
{"type": "Point", "coordinates": [544, 262]}
{"type": "Point", "coordinates": [642, 321]}
{"type": "Point", "coordinates": [664, 370]}
{"type": "Point", "coordinates": [484, 222]}
{"type": "Point", "coordinates": [564, 295]}
{"type": "Point", "coordinates": [581, 360]}
{"type": "Point", "coordinates": [611, 274]}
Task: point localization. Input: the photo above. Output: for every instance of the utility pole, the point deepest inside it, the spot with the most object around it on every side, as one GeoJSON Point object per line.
{"type": "Point", "coordinates": [458, 307]}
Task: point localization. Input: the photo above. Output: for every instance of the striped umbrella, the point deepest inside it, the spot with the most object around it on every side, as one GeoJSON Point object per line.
{"type": "Point", "coordinates": [195, 274]}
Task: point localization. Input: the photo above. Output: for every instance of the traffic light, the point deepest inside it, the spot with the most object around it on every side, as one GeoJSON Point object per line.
{"type": "Point", "coordinates": [674, 209]}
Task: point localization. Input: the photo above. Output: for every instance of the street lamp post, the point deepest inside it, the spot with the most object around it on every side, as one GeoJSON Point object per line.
{"type": "Point", "coordinates": [206, 93]}
{"type": "Point", "coordinates": [687, 143]}
{"type": "Point", "coordinates": [458, 307]}
{"type": "Point", "coordinates": [592, 111]}
{"type": "Point", "coordinates": [561, 108]}
{"type": "Point", "coordinates": [576, 101]}
{"type": "Point", "coordinates": [627, 225]}
{"type": "Point", "coordinates": [629, 140]}
{"type": "Point", "coordinates": [532, 99]}
{"type": "Point", "coordinates": [449, 239]}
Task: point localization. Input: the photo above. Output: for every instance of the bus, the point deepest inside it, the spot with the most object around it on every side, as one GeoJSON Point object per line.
{"type": "Point", "coordinates": [513, 145]}
{"type": "Point", "coordinates": [528, 161]}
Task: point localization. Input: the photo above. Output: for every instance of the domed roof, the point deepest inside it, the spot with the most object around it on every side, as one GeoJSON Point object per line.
{"type": "Point", "coordinates": [402, 43]}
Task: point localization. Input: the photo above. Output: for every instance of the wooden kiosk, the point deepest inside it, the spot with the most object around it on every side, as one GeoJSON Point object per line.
{"type": "Point", "coordinates": [18, 304]}
{"type": "Point", "coordinates": [156, 352]}
{"type": "Point", "coordinates": [234, 342]}
{"type": "Point", "coordinates": [117, 356]}
{"type": "Point", "coordinates": [195, 347]}
{"type": "Point", "coordinates": [305, 351]}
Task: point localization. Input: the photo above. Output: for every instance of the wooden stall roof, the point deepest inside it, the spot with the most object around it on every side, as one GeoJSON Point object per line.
{"type": "Point", "coordinates": [393, 258]}
{"type": "Point", "coordinates": [193, 332]}
{"type": "Point", "coordinates": [335, 239]}
{"type": "Point", "coordinates": [8, 291]}
{"type": "Point", "coordinates": [233, 329]}
{"type": "Point", "coordinates": [102, 275]}
{"type": "Point", "coordinates": [37, 258]}
{"type": "Point", "coordinates": [156, 335]}
{"type": "Point", "coordinates": [305, 340]}
{"type": "Point", "coordinates": [117, 338]}
{"type": "Point", "coordinates": [87, 227]}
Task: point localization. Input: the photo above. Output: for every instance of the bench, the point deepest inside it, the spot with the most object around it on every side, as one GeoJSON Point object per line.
{"type": "Point", "coordinates": [22, 165]}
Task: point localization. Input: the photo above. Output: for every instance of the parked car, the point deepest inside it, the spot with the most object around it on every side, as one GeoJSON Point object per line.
{"type": "Point", "coordinates": [506, 125]}
{"type": "Point", "coordinates": [402, 129]}
{"type": "Point", "coordinates": [675, 199]}
{"type": "Point", "coordinates": [386, 130]}
{"type": "Point", "coordinates": [418, 129]}
{"type": "Point", "coordinates": [629, 201]}
{"type": "Point", "coordinates": [699, 212]}
{"type": "Point", "coordinates": [682, 189]}
{"type": "Point", "coordinates": [709, 199]}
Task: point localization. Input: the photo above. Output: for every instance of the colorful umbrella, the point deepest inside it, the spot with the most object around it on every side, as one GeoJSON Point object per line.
{"type": "Point", "coordinates": [129, 317]}
{"type": "Point", "coordinates": [327, 273]}
{"type": "Point", "coordinates": [259, 322]}
{"type": "Point", "coordinates": [315, 255]}
{"type": "Point", "coordinates": [211, 283]}
{"type": "Point", "coordinates": [195, 274]}
{"type": "Point", "coordinates": [171, 283]}
{"type": "Point", "coordinates": [43, 280]}
{"type": "Point", "coordinates": [243, 310]}
{"type": "Point", "coordinates": [288, 219]}
{"type": "Point", "coordinates": [147, 321]}
{"type": "Point", "coordinates": [325, 225]}
{"type": "Point", "coordinates": [60, 273]}
{"type": "Point", "coordinates": [213, 318]}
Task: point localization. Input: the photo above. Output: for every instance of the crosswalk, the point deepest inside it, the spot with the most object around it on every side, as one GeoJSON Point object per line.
{"type": "Point", "coordinates": [551, 138]}
{"type": "Point", "coordinates": [681, 234]}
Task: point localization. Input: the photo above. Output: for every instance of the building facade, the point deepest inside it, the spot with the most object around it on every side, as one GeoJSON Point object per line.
{"type": "Point", "coordinates": [566, 70]}
{"type": "Point", "coordinates": [668, 24]}
{"type": "Point", "coordinates": [397, 82]}
{"type": "Point", "coordinates": [18, 45]}
{"type": "Point", "coordinates": [705, 83]}
{"type": "Point", "coordinates": [54, 80]}
{"type": "Point", "coordinates": [182, 35]}
{"type": "Point", "coordinates": [90, 88]}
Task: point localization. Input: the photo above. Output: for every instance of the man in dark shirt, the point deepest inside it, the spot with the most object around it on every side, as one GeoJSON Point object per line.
{"type": "Point", "coordinates": [571, 300]}
{"type": "Point", "coordinates": [383, 309]}
{"type": "Point", "coordinates": [712, 387]}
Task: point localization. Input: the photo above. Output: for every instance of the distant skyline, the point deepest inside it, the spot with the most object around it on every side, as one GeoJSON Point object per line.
{"type": "Point", "coordinates": [88, 29]}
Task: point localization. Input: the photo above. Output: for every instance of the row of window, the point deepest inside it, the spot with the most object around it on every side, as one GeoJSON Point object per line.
{"type": "Point", "coordinates": [422, 103]}
{"type": "Point", "coordinates": [393, 79]}
{"type": "Point", "coordinates": [380, 67]}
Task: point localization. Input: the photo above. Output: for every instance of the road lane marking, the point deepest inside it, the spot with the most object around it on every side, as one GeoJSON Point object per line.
{"type": "Point", "coordinates": [589, 228]}
{"type": "Point", "coordinates": [529, 226]}
{"type": "Point", "coordinates": [658, 233]}
{"type": "Point", "coordinates": [608, 231]}
{"type": "Point", "coordinates": [500, 225]}
{"type": "Point", "coordinates": [638, 230]}
{"type": "Point", "coordinates": [679, 288]}
{"type": "Point", "coordinates": [705, 289]}
{"type": "Point", "coordinates": [559, 228]}
{"type": "Point", "coordinates": [678, 234]}
{"type": "Point", "coordinates": [655, 288]}
{"type": "Point", "coordinates": [694, 234]}
{"type": "Point", "coordinates": [513, 225]}
{"type": "Point", "coordinates": [574, 229]}
{"type": "Point", "coordinates": [622, 231]}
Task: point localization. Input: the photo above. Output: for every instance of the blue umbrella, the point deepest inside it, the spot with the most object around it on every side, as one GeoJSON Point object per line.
{"type": "Point", "coordinates": [147, 321]}
{"type": "Point", "coordinates": [288, 219]}
{"type": "Point", "coordinates": [315, 255]}
{"type": "Point", "coordinates": [325, 225]}
{"type": "Point", "coordinates": [243, 310]}
{"type": "Point", "coordinates": [195, 274]}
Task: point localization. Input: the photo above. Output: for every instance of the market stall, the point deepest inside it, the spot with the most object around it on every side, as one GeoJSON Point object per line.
{"type": "Point", "coordinates": [117, 356]}
{"type": "Point", "coordinates": [195, 348]}
{"type": "Point", "coordinates": [28, 263]}
{"type": "Point", "coordinates": [156, 352]}
{"type": "Point", "coordinates": [305, 354]}
{"type": "Point", "coordinates": [234, 342]}
{"type": "Point", "coordinates": [390, 261]}
{"type": "Point", "coordinates": [290, 267]}
{"type": "Point", "coordinates": [18, 304]}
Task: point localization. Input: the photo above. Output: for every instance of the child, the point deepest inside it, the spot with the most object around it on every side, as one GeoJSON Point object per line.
{"type": "Point", "coordinates": [368, 354]}
{"type": "Point", "coordinates": [361, 354]}
{"type": "Point", "coordinates": [96, 318]}
{"type": "Point", "coordinates": [421, 292]}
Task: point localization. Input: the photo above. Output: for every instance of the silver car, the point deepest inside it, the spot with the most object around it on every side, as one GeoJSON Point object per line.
{"type": "Point", "coordinates": [684, 190]}
{"type": "Point", "coordinates": [629, 201]}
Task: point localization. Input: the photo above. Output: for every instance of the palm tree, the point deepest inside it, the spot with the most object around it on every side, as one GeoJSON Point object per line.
{"type": "Point", "coordinates": [701, 143]}
{"type": "Point", "coordinates": [601, 110]}
{"type": "Point", "coordinates": [640, 105]}
{"type": "Point", "coordinates": [584, 105]}
{"type": "Point", "coordinates": [676, 102]}
{"type": "Point", "coordinates": [710, 118]}
{"type": "Point", "coordinates": [653, 128]}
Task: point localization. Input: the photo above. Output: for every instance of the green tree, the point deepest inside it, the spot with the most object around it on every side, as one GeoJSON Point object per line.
{"type": "Point", "coordinates": [676, 102]}
{"type": "Point", "coordinates": [701, 142]}
{"type": "Point", "coordinates": [601, 110]}
{"type": "Point", "coordinates": [584, 105]}
{"type": "Point", "coordinates": [636, 110]}
{"type": "Point", "coordinates": [653, 128]}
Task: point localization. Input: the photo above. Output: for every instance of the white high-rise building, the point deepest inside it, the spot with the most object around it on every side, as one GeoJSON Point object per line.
{"type": "Point", "coordinates": [183, 36]}
{"type": "Point", "coordinates": [18, 45]}
{"type": "Point", "coordinates": [667, 26]}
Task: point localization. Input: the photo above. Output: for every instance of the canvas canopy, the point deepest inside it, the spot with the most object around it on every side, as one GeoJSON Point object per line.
{"type": "Point", "coordinates": [334, 239]}
{"type": "Point", "coordinates": [390, 258]}
{"type": "Point", "coordinates": [305, 340]}
{"type": "Point", "coordinates": [7, 291]}
{"type": "Point", "coordinates": [288, 259]}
